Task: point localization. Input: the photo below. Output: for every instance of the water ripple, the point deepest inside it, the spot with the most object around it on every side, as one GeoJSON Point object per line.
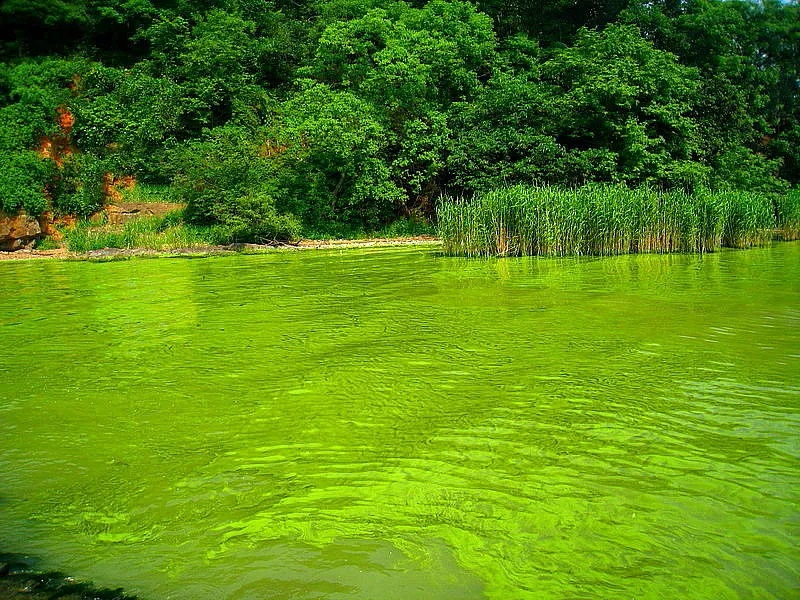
{"type": "Point", "coordinates": [362, 424]}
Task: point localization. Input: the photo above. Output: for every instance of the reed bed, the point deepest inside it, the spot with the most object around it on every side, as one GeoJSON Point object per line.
{"type": "Point", "coordinates": [787, 216]}
{"type": "Point", "coordinates": [604, 220]}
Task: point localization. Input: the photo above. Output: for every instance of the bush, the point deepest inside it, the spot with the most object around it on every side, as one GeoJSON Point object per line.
{"type": "Point", "coordinates": [219, 168]}
{"type": "Point", "coordinates": [742, 169]}
{"type": "Point", "coordinates": [23, 125]}
{"type": "Point", "coordinates": [253, 218]}
{"type": "Point", "coordinates": [23, 178]}
{"type": "Point", "coordinates": [225, 181]}
{"type": "Point", "coordinates": [131, 115]}
{"type": "Point", "coordinates": [78, 187]}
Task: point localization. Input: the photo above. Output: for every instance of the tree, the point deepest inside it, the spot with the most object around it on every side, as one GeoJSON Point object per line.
{"type": "Point", "coordinates": [551, 21]}
{"type": "Point", "coordinates": [617, 95]}
{"type": "Point", "coordinates": [329, 153]}
{"type": "Point", "coordinates": [507, 134]}
{"type": "Point", "coordinates": [411, 65]}
{"type": "Point", "coordinates": [747, 55]}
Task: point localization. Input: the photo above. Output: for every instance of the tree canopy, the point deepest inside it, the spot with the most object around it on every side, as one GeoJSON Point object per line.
{"type": "Point", "coordinates": [360, 111]}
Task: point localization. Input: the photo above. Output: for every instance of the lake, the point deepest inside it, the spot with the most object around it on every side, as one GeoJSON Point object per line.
{"type": "Point", "coordinates": [393, 423]}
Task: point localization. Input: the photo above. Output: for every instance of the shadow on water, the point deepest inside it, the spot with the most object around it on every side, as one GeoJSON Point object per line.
{"type": "Point", "coordinates": [20, 577]}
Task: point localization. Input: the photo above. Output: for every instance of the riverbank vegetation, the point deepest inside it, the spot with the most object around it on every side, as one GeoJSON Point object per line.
{"type": "Point", "coordinates": [154, 233]}
{"type": "Point", "coordinates": [173, 232]}
{"type": "Point", "coordinates": [605, 219]}
{"type": "Point", "coordinates": [276, 119]}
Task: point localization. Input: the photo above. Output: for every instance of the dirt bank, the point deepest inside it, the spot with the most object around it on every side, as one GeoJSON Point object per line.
{"type": "Point", "coordinates": [111, 253]}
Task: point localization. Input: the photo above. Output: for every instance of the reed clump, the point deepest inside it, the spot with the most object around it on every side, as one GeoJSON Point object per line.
{"type": "Point", "coordinates": [604, 220]}
{"type": "Point", "coordinates": [787, 216]}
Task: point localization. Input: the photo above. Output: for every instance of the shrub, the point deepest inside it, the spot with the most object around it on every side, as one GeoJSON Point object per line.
{"type": "Point", "coordinates": [253, 218]}
{"type": "Point", "coordinates": [219, 168]}
{"type": "Point", "coordinates": [78, 187]}
{"type": "Point", "coordinates": [225, 181]}
{"type": "Point", "coordinates": [23, 177]}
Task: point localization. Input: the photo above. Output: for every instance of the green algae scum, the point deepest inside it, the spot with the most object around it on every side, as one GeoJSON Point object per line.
{"type": "Point", "coordinates": [379, 424]}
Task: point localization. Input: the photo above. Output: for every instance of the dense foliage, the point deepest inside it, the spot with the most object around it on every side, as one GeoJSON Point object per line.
{"type": "Point", "coordinates": [271, 115]}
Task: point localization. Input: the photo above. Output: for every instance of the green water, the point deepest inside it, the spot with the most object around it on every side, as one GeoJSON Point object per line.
{"type": "Point", "coordinates": [395, 424]}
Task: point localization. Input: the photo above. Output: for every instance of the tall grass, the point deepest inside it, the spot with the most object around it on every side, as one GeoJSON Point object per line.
{"type": "Point", "coordinates": [154, 233]}
{"type": "Point", "coordinates": [602, 220]}
{"type": "Point", "coordinates": [403, 227]}
{"type": "Point", "coordinates": [787, 216]}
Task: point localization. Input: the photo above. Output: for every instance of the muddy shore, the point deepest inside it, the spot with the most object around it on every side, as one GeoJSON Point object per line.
{"type": "Point", "coordinates": [121, 253]}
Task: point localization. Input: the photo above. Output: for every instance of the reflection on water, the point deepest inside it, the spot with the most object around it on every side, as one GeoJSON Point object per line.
{"type": "Point", "coordinates": [396, 424]}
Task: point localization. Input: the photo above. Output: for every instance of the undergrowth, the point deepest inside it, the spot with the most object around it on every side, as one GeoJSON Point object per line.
{"type": "Point", "coordinates": [171, 232]}
{"type": "Point", "coordinates": [148, 192]}
{"type": "Point", "coordinates": [154, 233]}
{"type": "Point", "coordinates": [407, 227]}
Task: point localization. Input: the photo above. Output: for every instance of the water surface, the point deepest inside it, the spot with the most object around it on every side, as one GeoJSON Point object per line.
{"type": "Point", "coordinates": [381, 424]}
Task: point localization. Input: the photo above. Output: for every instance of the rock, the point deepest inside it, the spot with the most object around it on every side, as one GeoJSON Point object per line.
{"type": "Point", "coordinates": [116, 215]}
{"type": "Point", "coordinates": [18, 231]}
{"type": "Point", "coordinates": [98, 217]}
{"type": "Point", "coordinates": [122, 212]}
{"type": "Point", "coordinates": [48, 223]}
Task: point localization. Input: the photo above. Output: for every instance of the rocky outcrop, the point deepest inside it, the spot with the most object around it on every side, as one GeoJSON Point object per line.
{"type": "Point", "coordinates": [18, 231]}
{"type": "Point", "coordinates": [113, 186]}
{"type": "Point", "coordinates": [122, 212]}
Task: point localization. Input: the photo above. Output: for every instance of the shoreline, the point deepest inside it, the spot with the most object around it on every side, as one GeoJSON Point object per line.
{"type": "Point", "coordinates": [111, 254]}
{"type": "Point", "coordinates": [200, 251]}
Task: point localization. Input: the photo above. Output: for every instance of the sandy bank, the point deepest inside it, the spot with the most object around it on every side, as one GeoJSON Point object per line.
{"type": "Point", "coordinates": [111, 253]}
